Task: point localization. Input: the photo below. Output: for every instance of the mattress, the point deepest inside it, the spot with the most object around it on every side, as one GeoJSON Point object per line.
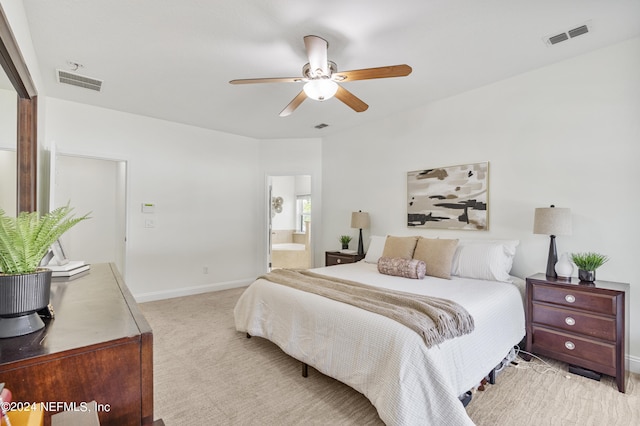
{"type": "Point", "coordinates": [384, 360]}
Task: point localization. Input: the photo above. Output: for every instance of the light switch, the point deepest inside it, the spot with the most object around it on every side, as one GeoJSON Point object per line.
{"type": "Point", "coordinates": [148, 208]}
{"type": "Point", "coordinates": [149, 223]}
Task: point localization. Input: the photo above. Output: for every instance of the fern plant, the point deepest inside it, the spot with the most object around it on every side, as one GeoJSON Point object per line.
{"type": "Point", "coordinates": [25, 239]}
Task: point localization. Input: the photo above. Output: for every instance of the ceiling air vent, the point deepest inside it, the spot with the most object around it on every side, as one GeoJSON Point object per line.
{"type": "Point", "coordinates": [566, 35]}
{"type": "Point", "coordinates": [321, 126]}
{"type": "Point", "coordinates": [583, 29]}
{"type": "Point", "coordinates": [558, 38]}
{"type": "Point", "coordinates": [79, 80]}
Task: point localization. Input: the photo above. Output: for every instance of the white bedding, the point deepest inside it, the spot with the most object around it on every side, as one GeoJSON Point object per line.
{"type": "Point", "coordinates": [384, 360]}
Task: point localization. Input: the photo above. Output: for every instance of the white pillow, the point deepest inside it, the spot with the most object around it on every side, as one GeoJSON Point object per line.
{"type": "Point", "coordinates": [484, 259]}
{"type": "Point", "coordinates": [376, 247]}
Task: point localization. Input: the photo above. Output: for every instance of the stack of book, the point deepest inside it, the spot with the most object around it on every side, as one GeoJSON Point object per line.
{"type": "Point", "coordinates": [69, 269]}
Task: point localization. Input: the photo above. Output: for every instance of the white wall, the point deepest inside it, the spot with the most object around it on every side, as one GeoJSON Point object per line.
{"type": "Point", "coordinates": [8, 118]}
{"type": "Point", "coordinates": [285, 187]}
{"type": "Point", "coordinates": [8, 192]}
{"type": "Point", "coordinates": [567, 134]}
{"type": "Point", "coordinates": [205, 187]}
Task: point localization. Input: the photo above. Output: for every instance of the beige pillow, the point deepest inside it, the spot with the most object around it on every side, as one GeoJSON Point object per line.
{"type": "Point", "coordinates": [399, 247]}
{"type": "Point", "coordinates": [437, 254]}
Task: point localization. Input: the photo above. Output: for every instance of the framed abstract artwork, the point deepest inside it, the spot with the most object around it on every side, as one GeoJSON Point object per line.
{"type": "Point", "coordinates": [453, 197]}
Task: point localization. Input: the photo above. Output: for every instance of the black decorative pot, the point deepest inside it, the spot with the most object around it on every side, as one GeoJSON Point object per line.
{"type": "Point", "coordinates": [588, 276]}
{"type": "Point", "coordinates": [21, 297]}
{"type": "Point", "coordinates": [345, 246]}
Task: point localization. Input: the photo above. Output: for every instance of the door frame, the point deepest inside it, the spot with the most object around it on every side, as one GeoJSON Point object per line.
{"type": "Point", "coordinates": [269, 221]}
{"type": "Point", "coordinates": [54, 152]}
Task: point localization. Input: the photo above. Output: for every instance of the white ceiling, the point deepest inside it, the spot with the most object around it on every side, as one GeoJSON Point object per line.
{"type": "Point", "coordinates": [173, 59]}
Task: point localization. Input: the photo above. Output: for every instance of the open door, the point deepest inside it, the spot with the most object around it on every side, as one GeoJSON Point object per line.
{"type": "Point", "coordinates": [289, 222]}
{"type": "Point", "coordinates": [95, 185]}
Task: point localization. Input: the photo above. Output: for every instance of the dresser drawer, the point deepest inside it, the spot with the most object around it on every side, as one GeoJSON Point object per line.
{"type": "Point", "coordinates": [575, 298]}
{"type": "Point", "coordinates": [571, 345]}
{"type": "Point", "coordinates": [575, 322]}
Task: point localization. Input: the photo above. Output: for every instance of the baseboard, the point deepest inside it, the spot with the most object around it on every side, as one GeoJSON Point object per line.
{"type": "Point", "coordinates": [634, 364]}
{"type": "Point", "coordinates": [189, 291]}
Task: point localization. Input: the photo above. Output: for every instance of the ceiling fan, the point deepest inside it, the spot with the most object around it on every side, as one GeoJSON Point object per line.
{"type": "Point", "coordinates": [321, 78]}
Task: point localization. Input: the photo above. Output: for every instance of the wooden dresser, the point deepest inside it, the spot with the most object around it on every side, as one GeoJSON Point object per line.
{"type": "Point", "coordinates": [585, 325]}
{"type": "Point", "coordinates": [98, 348]}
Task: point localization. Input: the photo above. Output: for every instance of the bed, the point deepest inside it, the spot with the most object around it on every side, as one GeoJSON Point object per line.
{"type": "Point", "coordinates": [408, 383]}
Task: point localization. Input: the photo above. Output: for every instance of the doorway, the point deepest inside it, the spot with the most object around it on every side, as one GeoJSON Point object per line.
{"type": "Point", "coordinates": [97, 186]}
{"type": "Point", "coordinates": [290, 211]}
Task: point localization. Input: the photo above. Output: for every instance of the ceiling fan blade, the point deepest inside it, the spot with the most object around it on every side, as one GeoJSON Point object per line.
{"type": "Point", "coordinates": [269, 80]}
{"type": "Point", "coordinates": [317, 54]}
{"type": "Point", "coordinates": [295, 103]}
{"type": "Point", "coordinates": [370, 73]}
{"type": "Point", "coordinates": [351, 100]}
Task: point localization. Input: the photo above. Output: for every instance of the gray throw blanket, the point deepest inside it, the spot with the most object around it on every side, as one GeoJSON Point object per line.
{"type": "Point", "coordinates": [434, 319]}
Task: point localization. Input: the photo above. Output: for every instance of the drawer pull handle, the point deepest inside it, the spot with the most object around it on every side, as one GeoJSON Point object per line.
{"type": "Point", "coordinates": [339, 260]}
{"type": "Point", "coordinates": [570, 321]}
{"type": "Point", "coordinates": [570, 298]}
{"type": "Point", "coordinates": [569, 345]}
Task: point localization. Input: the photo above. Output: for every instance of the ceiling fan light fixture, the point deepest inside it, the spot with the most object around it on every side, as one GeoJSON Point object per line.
{"type": "Point", "coordinates": [321, 89]}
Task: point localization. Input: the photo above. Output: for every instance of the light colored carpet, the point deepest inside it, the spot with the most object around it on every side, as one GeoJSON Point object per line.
{"type": "Point", "coordinates": [207, 373]}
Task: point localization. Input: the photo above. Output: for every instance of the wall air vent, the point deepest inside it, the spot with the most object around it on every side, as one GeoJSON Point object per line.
{"type": "Point", "coordinates": [566, 35]}
{"type": "Point", "coordinates": [321, 126]}
{"type": "Point", "coordinates": [67, 77]}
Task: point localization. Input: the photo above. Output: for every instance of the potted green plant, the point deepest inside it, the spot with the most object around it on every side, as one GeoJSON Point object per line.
{"type": "Point", "coordinates": [587, 264]}
{"type": "Point", "coordinates": [24, 286]}
{"type": "Point", "coordinates": [345, 240]}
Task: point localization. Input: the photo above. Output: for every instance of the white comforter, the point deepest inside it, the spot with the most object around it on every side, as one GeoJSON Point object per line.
{"type": "Point", "coordinates": [384, 360]}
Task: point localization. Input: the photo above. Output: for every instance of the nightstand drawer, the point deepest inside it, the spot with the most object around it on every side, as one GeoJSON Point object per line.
{"type": "Point", "coordinates": [575, 322]}
{"type": "Point", "coordinates": [338, 258]}
{"type": "Point", "coordinates": [574, 298]}
{"type": "Point", "coordinates": [559, 343]}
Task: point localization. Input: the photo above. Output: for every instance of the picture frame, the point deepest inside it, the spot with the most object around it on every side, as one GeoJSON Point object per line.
{"type": "Point", "coordinates": [451, 197]}
{"type": "Point", "coordinates": [59, 255]}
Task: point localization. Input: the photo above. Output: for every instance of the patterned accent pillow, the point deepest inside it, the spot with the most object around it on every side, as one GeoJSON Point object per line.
{"type": "Point", "coordinates": [399, 267]}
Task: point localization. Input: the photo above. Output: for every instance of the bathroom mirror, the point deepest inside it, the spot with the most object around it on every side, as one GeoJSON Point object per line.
{"type": "Point", "coordinates": [26, 147]}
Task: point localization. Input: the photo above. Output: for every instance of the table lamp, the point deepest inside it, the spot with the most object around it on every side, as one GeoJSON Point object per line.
{"type": "Point", "coordinates": [360, 220]}
{"type": "Point", "coordinates": [552, 221]}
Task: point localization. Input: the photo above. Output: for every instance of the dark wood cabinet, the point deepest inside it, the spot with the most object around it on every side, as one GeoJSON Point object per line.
{"type": "Point", "coordinates": [99, 347]}
{"type": "Point", "coordinates": [338, 258]}
{"type": "Point", "coordinates": [583, 324]}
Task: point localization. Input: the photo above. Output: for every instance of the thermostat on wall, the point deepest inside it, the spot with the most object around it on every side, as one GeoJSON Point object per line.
{"type": "Point", "coordinates": [148, 208]}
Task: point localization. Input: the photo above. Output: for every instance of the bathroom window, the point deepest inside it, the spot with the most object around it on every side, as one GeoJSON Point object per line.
{"type": "Point", "coordinates": [303, 212]}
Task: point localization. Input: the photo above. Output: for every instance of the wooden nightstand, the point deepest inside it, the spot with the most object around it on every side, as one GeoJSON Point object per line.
{"type": "Point", "coordinates": [582, 324]}
{"type": "Point", "coordinates": [337, 258]}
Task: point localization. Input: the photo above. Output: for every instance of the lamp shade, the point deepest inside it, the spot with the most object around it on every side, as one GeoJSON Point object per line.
{"type": "Point", "coordinates": [360, 220]}
{"type": "Point", "coordinates": [552, 221]}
